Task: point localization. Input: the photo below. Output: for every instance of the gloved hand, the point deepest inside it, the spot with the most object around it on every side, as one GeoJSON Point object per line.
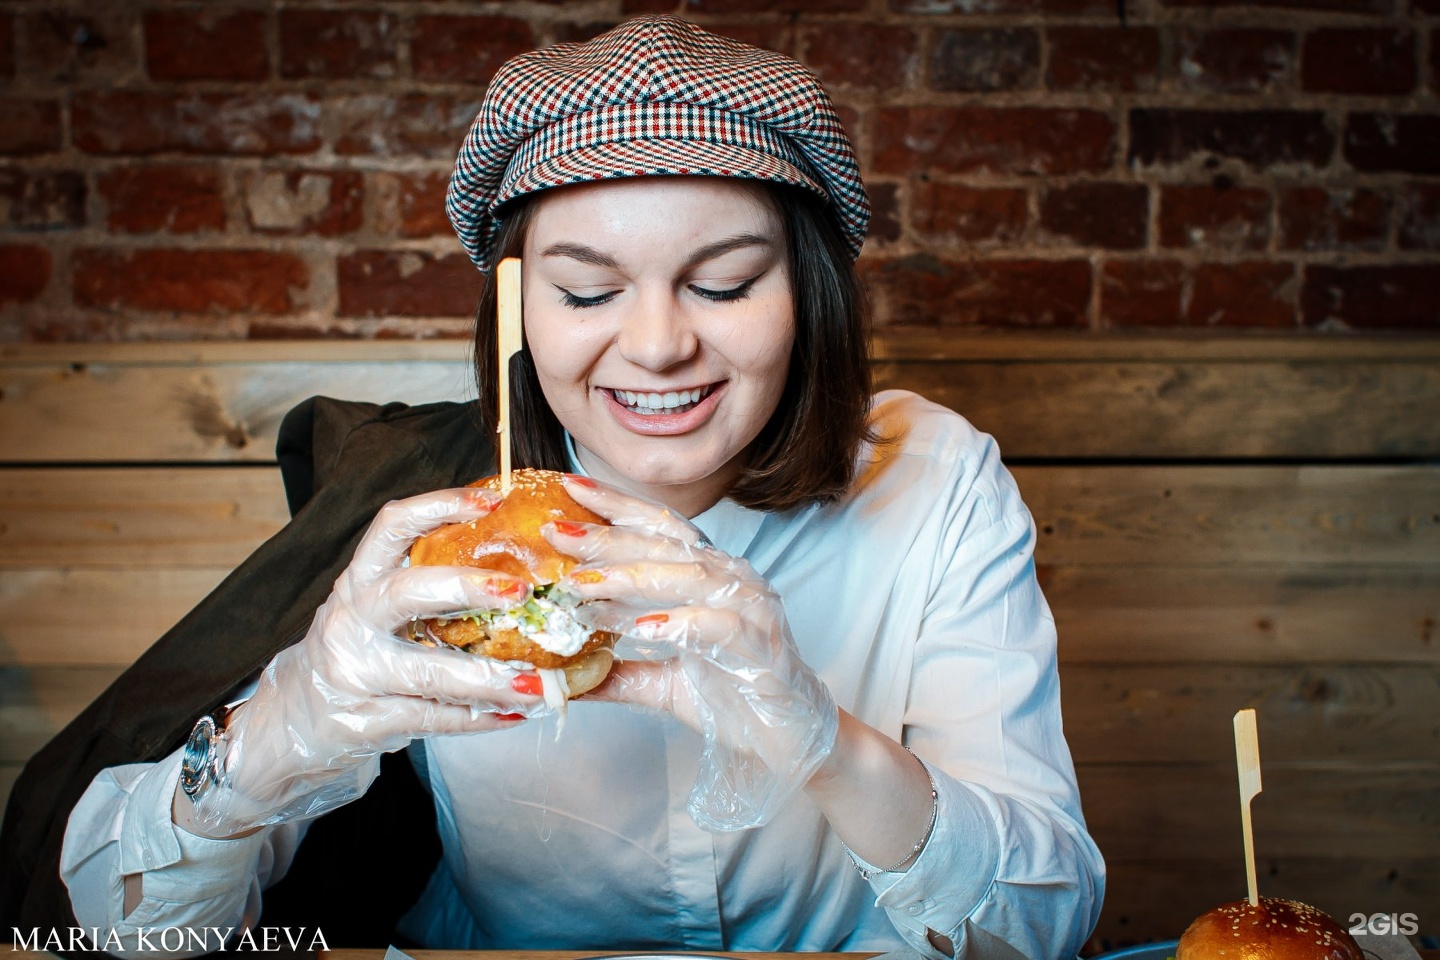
{"type": "Point", "coordinates": [309, 739]}
{"type": "Point", "coordinates": [731, 670]}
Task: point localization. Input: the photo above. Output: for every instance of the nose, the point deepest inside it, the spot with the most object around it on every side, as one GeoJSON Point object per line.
{"type": "Point", "coordinates": [655, 334]}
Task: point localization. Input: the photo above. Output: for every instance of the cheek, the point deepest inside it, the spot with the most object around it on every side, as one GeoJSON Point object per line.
{"type": "Point", "coordinates": [559, 352]}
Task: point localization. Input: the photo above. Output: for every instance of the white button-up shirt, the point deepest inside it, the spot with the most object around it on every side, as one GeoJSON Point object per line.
{"type": "Point", "coordinates": [914, 599]}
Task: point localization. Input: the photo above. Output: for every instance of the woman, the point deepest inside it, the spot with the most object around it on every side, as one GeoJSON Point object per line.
{"type": "Point", "coordinates": [837, 576]}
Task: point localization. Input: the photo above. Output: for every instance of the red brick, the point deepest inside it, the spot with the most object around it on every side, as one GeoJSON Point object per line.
{"type": "Point", "coordinates": [206, 45]}
{"type": "Point", "coordinates": [466, 49]}
{"type": "Point", "coordinates": [413, 125]}
{"type": "Point", "coordinates": [412, 204]}
{"type": "Point", "coordinates": [1259, 138]}
{"type": "Point", "coordinates": [1023, 140]}
{"type": "Point", "coordinates": [1109, 215]}
{"type": "Point", "coordinates": [338, 44]}
{"type": "Point", "coordinates": [759, 6]}
{"type": "Point", "coordinates": [7, 45]}
{"type": "Point", "coordinates": [982, 61]}
{"type": "Point", "coordinates": [851, 54]}
{"type": "Point", "coordinates": [1419, 215]}
{"type": "Point", "coordinates": [29, 126]}
{"type": "Point", "coordinates": [1400, 142]}
{"type": "Point", "coordinates": [1253, 294]}
{"type": "Point", "coordinates": [295, 202]}
{"type": "Point", "coordinates": [70, 45]}
{"type": "Point", "coordinates": [579, 31]}
{"type": "Point", "coordinates": [1211, 218]}
{"type": "Point", "coordinates": [202, 123]}
{"type": "Point", "coordinates": [779, 37]}
{"type": "Point", "coordinates": [956, 215]}
{"type": "Point", "coordinates": [42, 199]}
{"type": "Point", "coordinates": [1103, 8]}
{"type": "Point", "coordinates": [1103, 58]}
{"type": "Point", "coordinates": [1351, 60]}
{"type": "Point", "coordinates": [24, 273]}
{"type": "Point", "coordinates": [1316, 218]}
{"type": "Point", "coordinates": [632, 7]}
{"type": "Point", "coordinates": [1142, 293]}
{"type": "Point", "coordinates": [1336, 6]}
{"type": "Point", "coordinates": [884, 212]}
{"type": "Point", "coordinates": [1235, 60]}
{"type": "Point", "coordinates": [1400, 296]}
{"type": "Point", "coordinates": [190, 281]}
{"type": "Point", "coordinates": [990, 293]}
{"type": "Point", "coordinates": [162, 198]}
{"type": "Point", "coordinates": [407, 283]}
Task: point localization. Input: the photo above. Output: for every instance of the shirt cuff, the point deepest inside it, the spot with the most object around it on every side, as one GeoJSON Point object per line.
{"type": "Point", "coordinates": [179, 866]}
{"type": "Point", "coordinates": [954, 872]}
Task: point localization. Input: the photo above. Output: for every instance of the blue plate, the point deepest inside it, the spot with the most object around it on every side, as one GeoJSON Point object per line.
{"type": "Point", "coordinates": [1145, 951]}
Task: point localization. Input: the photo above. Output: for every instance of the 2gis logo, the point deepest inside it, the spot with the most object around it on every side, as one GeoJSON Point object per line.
{"type": "Point", "coordinates": [1405, 924]}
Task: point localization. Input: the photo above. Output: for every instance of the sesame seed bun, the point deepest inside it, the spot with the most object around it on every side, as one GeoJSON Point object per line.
{"type": "Point", "coordinates": [1274, 930]}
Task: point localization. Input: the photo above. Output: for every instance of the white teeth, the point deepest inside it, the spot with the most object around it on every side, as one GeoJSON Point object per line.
{"type": "Point", "coordinates": [669, 402]}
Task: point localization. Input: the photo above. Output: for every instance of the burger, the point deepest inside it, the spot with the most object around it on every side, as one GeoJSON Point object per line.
{"type": "Point", "coordinates": [1274, 930]}
{"type": "Point", "coordinates": [540, 631]}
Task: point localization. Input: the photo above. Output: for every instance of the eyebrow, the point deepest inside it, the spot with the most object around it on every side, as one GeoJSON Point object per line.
{"type": "Point", "coordinates": [584, 254]}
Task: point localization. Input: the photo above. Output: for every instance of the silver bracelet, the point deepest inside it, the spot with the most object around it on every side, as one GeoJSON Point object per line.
{"type": "Point", "coordinates": [868, 873]}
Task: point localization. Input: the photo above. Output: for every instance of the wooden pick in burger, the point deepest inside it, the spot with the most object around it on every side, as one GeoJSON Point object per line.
{"type": "Point", "coordinates": [1247, 759]}
{"type": "Point", "coordinates": [508, 319]}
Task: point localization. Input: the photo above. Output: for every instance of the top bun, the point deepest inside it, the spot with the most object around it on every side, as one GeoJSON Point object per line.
{"type": "Point", "coordinates": [1274, 930]}
{"type": "Point", "coordinates": [508, 539]}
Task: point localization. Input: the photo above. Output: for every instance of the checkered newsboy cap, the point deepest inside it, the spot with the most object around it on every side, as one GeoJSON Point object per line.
{"type": "Point", "coordinates": [655, 96]}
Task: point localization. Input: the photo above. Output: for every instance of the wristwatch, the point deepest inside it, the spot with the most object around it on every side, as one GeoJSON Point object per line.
{"type": "Point", "coordinates": [204, 760]}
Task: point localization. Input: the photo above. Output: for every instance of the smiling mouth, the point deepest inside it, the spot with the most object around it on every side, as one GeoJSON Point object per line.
{"type": "Point", "coordinates": [657, 404]}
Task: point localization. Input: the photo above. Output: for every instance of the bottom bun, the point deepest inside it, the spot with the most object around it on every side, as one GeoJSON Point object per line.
{"type": "Point", "coordinates": [586, 673]}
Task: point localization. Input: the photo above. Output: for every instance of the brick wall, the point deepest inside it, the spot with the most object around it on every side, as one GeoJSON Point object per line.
{"type": "Point", "coordinates": [253, 168]}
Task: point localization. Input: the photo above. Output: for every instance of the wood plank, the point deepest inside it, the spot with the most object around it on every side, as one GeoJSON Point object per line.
{"type": "Point", "coordinates": [213, 412]}
{"type": "Point", "coordinates": [94, 616]}
{"type": "Point", "coordinates": [1049, 397]}
{"type": "Point", "coordinates": [1157, 410]}
{"type": "Point", "coordinates": [1141, 713]}
{"type": "Point", "coordinates": [1156, 900]}
{"type": "Point", "coordinates": [36, 703]}
{"type": "Point", "coordinates": [210, 517]}
{"type": "Point", "coordinates": [1146, 614]}
{"type": "Point", "coordinates": [1246, 614]}
{"type": "Point", "coordinates": [1182, 811]}
{"type": "Point", "coordinates": [886, 343]}
{"type": "Point", "coordinates": [1206, 516]}
{"type": "Point", "coordinates": [1296, 517]}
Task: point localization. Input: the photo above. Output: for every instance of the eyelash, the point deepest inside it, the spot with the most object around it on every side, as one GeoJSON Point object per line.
{"type": "Point", "coordinates": [714, 296]}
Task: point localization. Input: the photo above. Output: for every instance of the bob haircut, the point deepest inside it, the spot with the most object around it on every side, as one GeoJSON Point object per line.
{"type": "Point", "coordinates": [806, 453]}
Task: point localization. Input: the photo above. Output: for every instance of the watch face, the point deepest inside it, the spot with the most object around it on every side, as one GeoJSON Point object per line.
{"type": "Point", "coordinates": [195, 764]}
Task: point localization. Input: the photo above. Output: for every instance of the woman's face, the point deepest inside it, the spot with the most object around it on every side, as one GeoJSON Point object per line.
{"type": "Point", "coordinates": [659, 314]}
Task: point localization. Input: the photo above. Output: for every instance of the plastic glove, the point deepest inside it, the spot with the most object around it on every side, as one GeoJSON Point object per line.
{"type": "Point", "coordinates": [731, 670]}
{"type": "Point", "coordinates": [309, 739]}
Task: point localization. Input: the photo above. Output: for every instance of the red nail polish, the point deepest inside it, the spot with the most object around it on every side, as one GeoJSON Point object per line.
{"type": "Point", "coordinates": [580, 481]}
{"type": "Point", "coordinates": [528, 683]}
{"type": "Point", "coordinates": [510, 716]}
{"type": "Point", "coordinates": [570, 528]}
{"type": "Point", "coordinates": [652, 618]}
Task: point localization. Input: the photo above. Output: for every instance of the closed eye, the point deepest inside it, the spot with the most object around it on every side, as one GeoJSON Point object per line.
{"type": "Point", "coordinates": [725, 296]}
{"type": "Point", "coordinates": [579, 302]}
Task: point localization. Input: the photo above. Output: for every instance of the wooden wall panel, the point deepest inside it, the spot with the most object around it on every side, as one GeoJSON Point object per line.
{"type": "Point", "coordinates": [1267, 535]}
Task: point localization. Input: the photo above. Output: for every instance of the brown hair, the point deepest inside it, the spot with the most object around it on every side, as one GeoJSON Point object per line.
{"type": "Point", "coordinates": [807, 451]}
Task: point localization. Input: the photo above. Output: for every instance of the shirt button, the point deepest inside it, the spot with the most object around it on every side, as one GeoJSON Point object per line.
{"type": "Point", "coordinates": [915, 909]}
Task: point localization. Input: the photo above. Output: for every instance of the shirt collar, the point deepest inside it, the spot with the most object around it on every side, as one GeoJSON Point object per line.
{"type": "Point", "coordinates": [731, 527]}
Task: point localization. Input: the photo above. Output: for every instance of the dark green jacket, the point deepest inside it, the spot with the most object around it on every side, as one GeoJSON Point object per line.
{"type": "Point", "coordinates": [340, 461]}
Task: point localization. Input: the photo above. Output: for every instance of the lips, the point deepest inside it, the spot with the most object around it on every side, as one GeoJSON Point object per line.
{"type": "Point", "coordinates": [651, 404]}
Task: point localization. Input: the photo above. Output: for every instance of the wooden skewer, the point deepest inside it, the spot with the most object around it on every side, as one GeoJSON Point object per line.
{"type": "Point", "coordinates": [508, 318]}
{"type": "Point", "coordinates": [1247, 759]}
